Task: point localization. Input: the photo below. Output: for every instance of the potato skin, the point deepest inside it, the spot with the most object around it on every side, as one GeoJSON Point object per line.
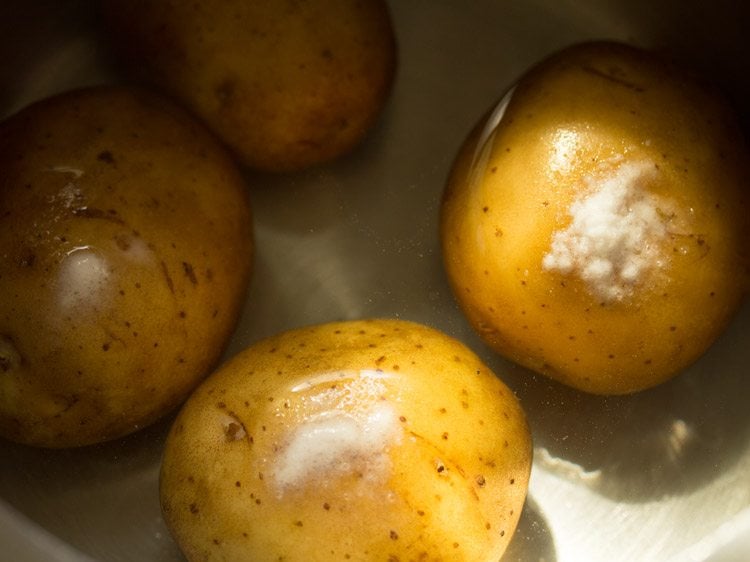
{"type": "Point", "coordinates": [448, 483]}
{"type": "Point", "coordinates": [287, 84]}
{"type": "Point", "coordinates": [125, 253]}
{"type": "Point", "coordinates": [584, 112]}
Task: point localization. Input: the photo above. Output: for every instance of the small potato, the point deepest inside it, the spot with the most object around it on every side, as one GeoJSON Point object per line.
{"type": "Point", "coordinates": [361, 440]}
{"type": "Point", "coordinates": [125, 248]}
{"type": "Point", "coordinates": [287, 84]}
{"type": "Point", "coordinates": [595, 224]}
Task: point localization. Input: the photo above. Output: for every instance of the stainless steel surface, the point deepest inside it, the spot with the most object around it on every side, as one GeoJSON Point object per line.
{"type": "Point", "coordinates": [662, 475]}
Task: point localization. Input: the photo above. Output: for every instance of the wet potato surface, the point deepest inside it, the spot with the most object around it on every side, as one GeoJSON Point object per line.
{"type": "Point", "coordinates": [124, 259]}
{"type": "Point", "coordinates": [361, 440]}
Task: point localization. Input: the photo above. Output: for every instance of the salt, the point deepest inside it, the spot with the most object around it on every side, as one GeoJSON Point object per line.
{"type": "Point", "coordinates": [614, 233]}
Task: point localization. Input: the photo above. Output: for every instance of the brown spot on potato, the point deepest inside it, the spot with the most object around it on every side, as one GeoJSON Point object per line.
{"type": "Point", "coordinates": [10, 358]}
{"type": "Point", "coordinates": [97, 214]}
{"type": "Point", "coordinates": [106, 157]}
{"type": "Point", "coordinates": [27, 258]}
{"type": "Point", "coordinates": [234, 429]}
{"type": "Point", "coordinates": [225, 91]}
{"type": "Point", "coordinates": [189, 273]}
{"type": "Point", "coordinates": [615, 75]}
{"type": "Point", "coordinates": [167, 277]}
{"type": "Point", "coordinates": [122, 241]}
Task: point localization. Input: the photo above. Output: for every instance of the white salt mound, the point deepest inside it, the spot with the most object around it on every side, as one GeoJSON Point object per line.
{"type": "Point", "coordinates": [614, 234]}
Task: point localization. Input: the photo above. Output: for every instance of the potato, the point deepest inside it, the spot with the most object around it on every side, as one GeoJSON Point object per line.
{"type": "Point", "coordinates": [358, 440]}
{"type": "Point", "coordinates": [125, 249]}
{"type": "Point", "coordinates": [286, 84]}
{"type": "Point", "coordinates": [594, 226]}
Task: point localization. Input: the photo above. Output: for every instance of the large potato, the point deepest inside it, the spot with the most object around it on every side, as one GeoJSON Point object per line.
{"type": "Point", "coordinates": [125, 248]}
{"type": "Point", "coordinates": [595, 224]}
{"type": "Point", "coordinates": [286, 83]}
{"type": "Point", "coordinates": [361, 440]}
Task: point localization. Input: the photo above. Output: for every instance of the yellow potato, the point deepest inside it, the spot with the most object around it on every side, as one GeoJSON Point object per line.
{"type": "Point", "coordinates": [286, 84]}
{"type": "Point", "coordinates": [360, 440]}
{"type": "Point", "coordinates": [595, 224]}
{"type": "Point", "coordinates": [125, 248]}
